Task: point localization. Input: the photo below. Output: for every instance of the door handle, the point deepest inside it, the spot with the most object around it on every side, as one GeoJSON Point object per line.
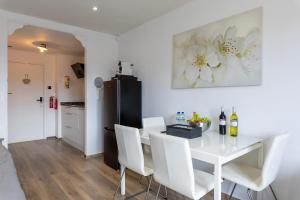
{"type": "Point", "coordinates": [40, 100]}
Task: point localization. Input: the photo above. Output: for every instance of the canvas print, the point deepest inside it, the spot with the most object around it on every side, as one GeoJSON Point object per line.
{"type": "Point", "coordinates": [223, 53]}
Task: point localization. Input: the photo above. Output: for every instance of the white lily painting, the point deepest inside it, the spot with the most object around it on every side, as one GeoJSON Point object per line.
{"type": "Point", "coordinates": [223, 53]}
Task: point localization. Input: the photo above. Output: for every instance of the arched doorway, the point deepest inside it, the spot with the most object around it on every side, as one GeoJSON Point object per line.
{"type": "Point", "coordinates": [51, 78]}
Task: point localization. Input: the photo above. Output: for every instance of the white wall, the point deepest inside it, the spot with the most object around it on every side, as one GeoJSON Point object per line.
{"type": "Point", "coordinates": [101, 56]}
{"type": "Point", "coordinates": [63, 68]}
{"type": "Point", "coordinates": [263, 110]}
{"type": "Point", "coordinates": [3, 77]}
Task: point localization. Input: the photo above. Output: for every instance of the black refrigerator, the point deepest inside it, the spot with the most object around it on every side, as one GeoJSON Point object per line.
{"type": "Point", "coordinates": [122, 105]}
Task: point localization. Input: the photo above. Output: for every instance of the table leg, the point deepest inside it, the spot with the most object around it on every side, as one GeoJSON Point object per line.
{"type": "Point", "coordinates": [260, 162]}
{"type": "Point", "coordinates": [123, 191]}
{"type": "Point", "coordinates": [218, 182]}
{"type": "Point", "coordinates": [260, 157]}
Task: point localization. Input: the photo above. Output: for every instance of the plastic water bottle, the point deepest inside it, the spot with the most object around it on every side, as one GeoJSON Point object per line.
{"type": "Point", "coordinates": [182, 118]}
{"type": "Point", "coordinates": [178, 118]}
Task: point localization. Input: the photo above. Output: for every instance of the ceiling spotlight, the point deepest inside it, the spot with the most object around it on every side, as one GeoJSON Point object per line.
{"type": "Point", "coordinates": [42, 47]}
{"type": "Point", "coordinates": [95, 8]}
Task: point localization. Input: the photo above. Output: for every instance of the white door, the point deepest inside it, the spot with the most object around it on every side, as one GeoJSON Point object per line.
{"type": "Point", "coordinates": [25, 113]}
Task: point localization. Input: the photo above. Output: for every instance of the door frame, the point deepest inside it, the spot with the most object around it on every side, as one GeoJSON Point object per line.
{"type": "Point", "coordinates": [44, 93]}
{"type": "Point", "coordinates": [10, 23]}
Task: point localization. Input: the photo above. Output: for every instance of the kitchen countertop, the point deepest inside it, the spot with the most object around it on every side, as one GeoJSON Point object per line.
{"type": "Point", "coordinates": [73, 104]}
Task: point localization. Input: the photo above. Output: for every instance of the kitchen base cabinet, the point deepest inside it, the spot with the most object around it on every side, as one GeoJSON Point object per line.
{"type": "Point", "coordinates": [72, 125]}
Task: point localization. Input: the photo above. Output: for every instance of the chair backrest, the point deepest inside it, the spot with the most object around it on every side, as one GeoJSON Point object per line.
{"type": "Point", "coordinates": [130, 148]}
{"type": "Point", "coordinates": [274, 149]}
{"type": "Point", "coordinates": [154, 123]}
{"type": "Point", "coordinates": [173, 163]}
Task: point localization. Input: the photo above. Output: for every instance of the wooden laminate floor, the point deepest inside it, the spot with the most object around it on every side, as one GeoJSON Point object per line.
{"type": "Point", "coordinates": [52, 170]}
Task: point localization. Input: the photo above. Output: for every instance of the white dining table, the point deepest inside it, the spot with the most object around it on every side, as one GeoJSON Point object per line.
{"type": "Point", "coordinates": [215, 149]}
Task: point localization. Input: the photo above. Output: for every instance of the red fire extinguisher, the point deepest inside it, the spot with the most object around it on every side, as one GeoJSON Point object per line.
{"type": "Point", "coordinates": [55, 103]}
{"type": "Point", "coordinates": [51, 102]}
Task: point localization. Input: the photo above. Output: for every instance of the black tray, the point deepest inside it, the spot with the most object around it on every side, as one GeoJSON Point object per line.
{"type": "Point", "coordinates": [184, 131]}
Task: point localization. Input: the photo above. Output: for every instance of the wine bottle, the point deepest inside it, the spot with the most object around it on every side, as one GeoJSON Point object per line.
{"type": "Point", "coordinates": [222, 123]}
{"type": "Point", "coordinates": [233, 123]}
{"type": "Point", "coordinates": [194, 117]}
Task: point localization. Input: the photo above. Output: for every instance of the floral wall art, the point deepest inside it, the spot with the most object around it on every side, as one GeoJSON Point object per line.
{"type": "Point", "coordinates": [223, 53]}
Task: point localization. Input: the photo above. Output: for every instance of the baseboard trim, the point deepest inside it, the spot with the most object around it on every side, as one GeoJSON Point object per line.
{"type": "Point", "coordinates": [93, 156]}
{"type": "Point", "coordinates": [52, 137]}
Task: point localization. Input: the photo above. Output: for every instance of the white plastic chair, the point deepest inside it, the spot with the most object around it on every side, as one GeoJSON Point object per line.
{"type": "Point", "coordinates": [173, 167]}
{"type": "Point", "coordinates": [131, 155]}
{"type": "Point", "coordinates": [256, 179]}
{"type": "Point", "coordinates": [154, 124]}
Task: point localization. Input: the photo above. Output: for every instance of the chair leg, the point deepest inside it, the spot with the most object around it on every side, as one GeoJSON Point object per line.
{"type": "Point", "coordinates": [149, 186]}
{"type": "Point", "coordinates": [147, 190]}
{"type": "Point", "coordinates": [249, 192]}
{"type": "Point", "coordinates": [273, 192]}
{"type": "Point", "coordinates": [140, 180]}
{"type": "Point", "coordinates": [158, 192]}
{"type": "Point", "coordinates": [166, 193]}
{"type": "Point", "coordinates": [232, 191]}
{"type": "Point", "coordinates": [119, 183]}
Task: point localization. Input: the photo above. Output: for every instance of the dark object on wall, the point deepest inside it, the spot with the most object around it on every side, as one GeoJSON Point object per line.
{"type": "Point", "coordinates": [120, 67]}
{"type": "Point", "coordinates": [78, 69]}
{"type": "Point", "coordinates": [122, 105]}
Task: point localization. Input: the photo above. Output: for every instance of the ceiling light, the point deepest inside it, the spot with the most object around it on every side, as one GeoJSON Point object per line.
{"type": "Point", "coordinates": [42, 47]}
{"type": "Point", "coordinates": [95, 8]}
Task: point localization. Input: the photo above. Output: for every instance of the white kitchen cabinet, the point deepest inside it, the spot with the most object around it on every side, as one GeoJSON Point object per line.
{"type": "Point", "coordinates": [72, 126]}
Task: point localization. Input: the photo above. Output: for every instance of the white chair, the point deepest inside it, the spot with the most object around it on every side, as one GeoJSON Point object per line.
{"type": "Point", "coordinates": [131, 155]}
{"type": "Point", "coordinates": [154, 124]}
{"type": "Point", "coordinates": [256, 179]}
{"type": "Point", "coordinates": [173, 167]}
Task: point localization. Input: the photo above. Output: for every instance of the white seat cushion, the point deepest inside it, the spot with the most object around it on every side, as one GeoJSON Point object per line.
{"type": "Point", "coordinates": [244, 175]}
{"type": "Point", "coordinates": [204, 183]}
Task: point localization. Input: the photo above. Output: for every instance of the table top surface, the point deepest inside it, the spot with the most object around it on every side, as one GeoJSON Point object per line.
{"type": "Point", "coordinates": [213, 144]}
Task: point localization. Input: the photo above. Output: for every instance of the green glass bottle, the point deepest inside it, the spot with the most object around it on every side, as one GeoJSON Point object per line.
{"type": "Point", "coordinates": [233, 123]}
